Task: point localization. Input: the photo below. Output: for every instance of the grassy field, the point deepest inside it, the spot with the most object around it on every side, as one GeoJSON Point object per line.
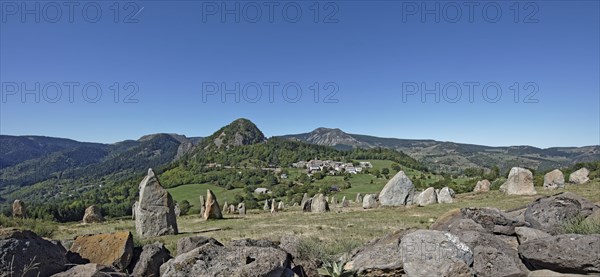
{"type": "Point", "coordinates": [192, 193]}
{"type": "Point", "coordinates": [349, 225]}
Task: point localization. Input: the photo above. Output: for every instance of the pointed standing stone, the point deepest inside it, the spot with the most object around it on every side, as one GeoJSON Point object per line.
{"type": "Point", "coordinates": [398, 191]}
{"type": "Point", "coordinates": [155, 212]}
{"type": "Point", "coordinates": [266, 206]}
{"type": "Point", "coordinates": [212, 210]}
{"type": "Point", "coordinates": [177, 210]}
{"type": "Point", "coordinates": [304, 199]}
{"type": "Point", "coordinates": [344, 202]}
{"type": "Point", "coordinates": [273, 206]}
{"type": "Point", "coordinates": [319, 204]}
{"type": "Point", "coordinates": [226, 207]}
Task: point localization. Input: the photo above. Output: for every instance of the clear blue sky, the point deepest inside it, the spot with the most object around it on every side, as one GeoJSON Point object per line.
{"type": "Point", "coordinates": [368, 49]}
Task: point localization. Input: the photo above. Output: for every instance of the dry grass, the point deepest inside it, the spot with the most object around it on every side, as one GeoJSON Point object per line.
{"type": "Point", "coordinates": [353, 224]}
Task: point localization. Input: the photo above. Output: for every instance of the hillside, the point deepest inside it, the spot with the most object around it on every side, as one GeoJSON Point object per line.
{"type": "Point", "coordinates": [456, 157]}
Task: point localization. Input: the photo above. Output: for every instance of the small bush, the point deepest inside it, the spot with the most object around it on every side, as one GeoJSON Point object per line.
{"type": "Point", "coordinates": [580, 225]}
{"type": "Point", "coordinates": [314, 249]}
{"type": "Point", "coordinates": [40, 227]}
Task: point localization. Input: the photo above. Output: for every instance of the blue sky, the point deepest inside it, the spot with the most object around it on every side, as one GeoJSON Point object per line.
{"type": "Point", "coordinates": [371, 53]}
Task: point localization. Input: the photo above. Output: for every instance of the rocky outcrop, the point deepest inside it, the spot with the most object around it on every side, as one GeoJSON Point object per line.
{"type": "Point", "coordinates": [525, 234]}
{"type": "Point", "coordinates": [92, 214]}
{"type": "Point", "coordinates": [580, 176]}
{"type": "Point", "coordinates": [493, 220]}
{"type": "Point", "coordinates": [378, 258]}
{"type": "Point", "coordinates": [155, 213]}
{"type": "Point", "coordinates": [369, 201]}
{"type": "Point", "coordinates": [319, 204]}
{"type": "Point", "coordinates": [92, 270]}
{"type": "Point", "coordinates": [398, 191]}
{"type": "Point", "coordinates": [212, 210]}
{"type": "Point", "coordinates": [18, 209]}
{"type": "Point", "coordinates": [19, 249]}
{"type": "Point", "coordinates": [569, 253]}
{"type": "Point", "coordinates": [550, 213]}
{"type": "Point", "coordinates": [519, 182]}
{"type": "Point", "coordinates": [554, 180]}
{"type": "Point", "coordinates": [215, 260]}
{"type": "Point", "coordinates": [426, 197]}
{"type": "Point", "coordinates": [445, 195]}
{"type": "Point", "coordinates": [482, 186]}
{"type": "Point", "coordinates": [151, 258]}
{"type": "Point", "coordinates": [435, 253]}
{"type": "Point", "coordinates": [494, 255]}
{"type": "Point", "coordinates": [114, 249]}
{"type": "Point", "coordinates": [190, 243]}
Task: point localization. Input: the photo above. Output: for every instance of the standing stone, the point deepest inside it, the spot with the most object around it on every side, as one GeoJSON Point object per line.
{"type": "Point", "coordinates": [482, 186]}
{"type": "Point", "coordinates": [426, 197]}
{"type": "Point", "coordinates": [359, 198]}
{"type": "Point", "coordinates": [19, 209]}
{"type": "Point", "coordinates": [304, 199]}
{"type": "Point", "coordinates": [231, 209]}
{"type": "Point", "coordinates": [226, 207]}
{"type": "Point", "coordinates": [202, 205]}
{"type": "Point", "coordinates": [241, 208]}
{"type": "Point", "coordinates": [580, 176]}
{"type": "Point", "coordinates": [519, 182]}
{"type": "Point", "coordinates": [554, 180]}
{"type": "Point", "coordinates": [307, 205]}
{"type": "Point", "coordinates": [334, 200]}
{"type": "Point", "coordinates": [266, 206]}
{"type": "Point", "coordinates": [177, 210]}
{"type": "Point", "coordinates": [319, 204]}
{"type": "Point", "coordinates": [398, 191]}
{"type": "Point", "coordinates": [369, 202]}
{"type": "Point", "coordinates": [344, 202]}
{"type": "Point", "coordinates": [92, 215]}
{"type": "Point", "coordinates": [445, 196]}
{"type": "Point", "coordinates": [114, 249]}
{"type": "Point", "coordinates": [281, 206]}
{"type": "Point", "coordinates": [155, 212]}
{"type": "Point", "coordinates": [212, 210]}
{"type": "Point", "coordinates": [273, 206]}
{"type": "Point", "coordinates": [134, 208]}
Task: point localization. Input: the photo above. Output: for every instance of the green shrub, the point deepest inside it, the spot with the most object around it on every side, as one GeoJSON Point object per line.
{"type": "Point", "coordinates": [581, 225]}
{"type": "Point", "coordinates": [40, 227]}
{"type": "Point", "coordinates": [314, 249]}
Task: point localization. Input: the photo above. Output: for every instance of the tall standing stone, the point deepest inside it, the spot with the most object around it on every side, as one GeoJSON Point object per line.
{"type": "Point", "coordinates": [319, 204]}
{"type": "Point", "coordinates": [398, 191]}
{"type": "Point", "coordinates": [92, 215]}
{"type": "Point", "coordinates": [273, 206]}
{"type": "Point", "coordinates": [177, 210]}
{"type": "Point", "coordinates": [225, 207]}
{"type": "Point", "coordinates": [202, 205]}
{"type": "Point", "coordinates": [19, 209]}
{"type": "Point", "coordinates": [280, 206]}
{"type": "Point", "coordinates": [266, 206]}
{"type": "Point", "coordinates": [554, 180]}
{"type": "Point", "coordinates": [334, 200]}
{"type": "Point", "coordinates": [344, 202]}
{"type": "Point", "coordinates": [519, 182]}
{"type": "Point", "coordinates": [231, 209]}
{"type": "Point", "coordinates": [369, 201]}
{"type": "Point", "coordinates": [155, 212]}
{"type": "Point", "coordinates": [359, 198]}
{"type": "Point", "coordinates": [212, 210]}
{"type": "Point", "coordinates": [304, 199]}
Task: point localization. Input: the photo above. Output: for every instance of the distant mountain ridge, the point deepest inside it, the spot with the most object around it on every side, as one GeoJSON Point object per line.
{"type": "Point", "coordinates": [455, 157]}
